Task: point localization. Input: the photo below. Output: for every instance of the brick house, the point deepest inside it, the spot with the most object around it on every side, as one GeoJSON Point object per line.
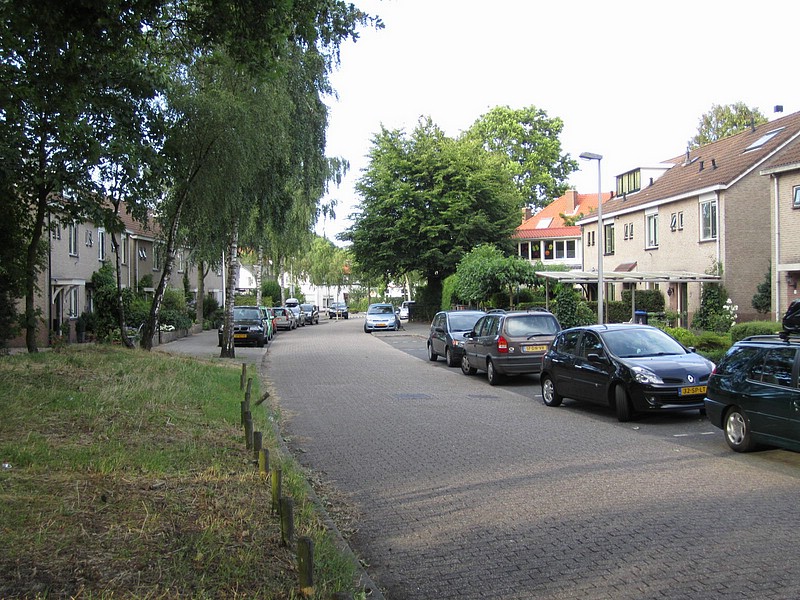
{"type": "Point", "coordinates": [710, 206]}
{"type": "Point", "coordinates": [546, 237]}
{"type": "Point", "coordinates": [77, 249]}
{"type": "Point", "coordinates": [783, 171]}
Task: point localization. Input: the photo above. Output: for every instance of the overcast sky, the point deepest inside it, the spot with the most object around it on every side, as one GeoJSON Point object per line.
{"type": "Point", "coordinates": [629, 79]}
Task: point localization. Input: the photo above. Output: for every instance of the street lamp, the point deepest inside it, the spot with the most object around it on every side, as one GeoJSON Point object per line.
{"type": "Point", "coordinates": [598, 158]}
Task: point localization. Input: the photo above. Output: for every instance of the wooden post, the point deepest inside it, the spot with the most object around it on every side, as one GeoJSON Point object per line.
{"type": "Point", "coordinates": [245, 410]}
{"type": "Point", "coordinates": [263, 462]}
{"type": "Point", "coordinates": [287, 522]}
{"type": "Point", "coordinates": [276, 489]}
{"type": "Point", "coordinates": [248, 430]}
{"type": "Point", "coordinates": [247, 391]}
{"type": "Point", "coordinates": [244, 374]}
{"type": "Point", "coordinates": [305, 565]}
{"type": "Point", "coordinates": [258, 441]}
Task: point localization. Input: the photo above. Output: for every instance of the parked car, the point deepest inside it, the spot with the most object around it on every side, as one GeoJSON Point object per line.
{"type": "Point", "coordinates": [508, 343]}
{"type": "Point", "coordinates": [446, 337]}
{"type": "Point", "coordinates": [249, 327]}
{"type": "Point", "coordinates": [405, 309]}
{"type": "Point", "coordinates": [338, 310]}
{"type": "Point", "coordinates": [629, 367]}
{"type": "Point", "coordinates": [284, 318]}
{"type": "Point", "coordinates": [299, 315]}
{"type": "Point", "coordinates": [753, 394]}
{"type": "Point", "coordinates": [311, 312]}
{"type": "Point", "coordinates": [381, 316]}
{"type": "Point", "coordinates": [269, 321]}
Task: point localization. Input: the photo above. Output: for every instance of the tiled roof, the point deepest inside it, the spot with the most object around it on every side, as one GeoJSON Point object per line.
{"type": "Point", "coordinates": [788, 157]}
{"type": "Point", "coordinates": [713, 166]}
{"type": "Point", "coordinates": [571, 204]}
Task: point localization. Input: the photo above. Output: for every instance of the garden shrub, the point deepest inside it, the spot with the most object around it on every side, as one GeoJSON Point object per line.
{"type": "Point", "coordinates": [684, 336]}
{"type": "Point", "coordinates": [743, 330]}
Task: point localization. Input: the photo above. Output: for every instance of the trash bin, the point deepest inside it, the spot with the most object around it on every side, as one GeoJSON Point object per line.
{"type": "Point", "coordinates": [640, 317]}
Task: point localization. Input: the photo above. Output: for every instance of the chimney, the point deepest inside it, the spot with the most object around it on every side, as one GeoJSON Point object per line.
{"type": "Point", "coordinates": [574, 203]}
{"type": "Point", "coordinates": [527, 213]}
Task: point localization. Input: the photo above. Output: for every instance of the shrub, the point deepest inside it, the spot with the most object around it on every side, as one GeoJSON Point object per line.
{"type": "Point", "coordinates": [711, 341]}
{"type": "Point", "coordinates": [647, 300]}
{"type": "Point", "coordinates": [684, 336]}
{"type": "Point", "coordinates": [271, 289]}
{"type": "Point", "coordinates": [743, 330]}
{"type": "Point", "coordinates": [570, 311]}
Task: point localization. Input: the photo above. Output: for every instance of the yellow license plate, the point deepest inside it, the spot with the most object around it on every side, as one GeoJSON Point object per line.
{"type": "Point", "coordinates": [693, 390]}
{"type": "Point", "coordinates": [534, 348]}
{"type": "Point", "coordinates": [240, 336]}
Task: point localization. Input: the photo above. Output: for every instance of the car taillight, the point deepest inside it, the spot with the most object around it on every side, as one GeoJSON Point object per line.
{"type": "Point", "coordinates": [502, 345]}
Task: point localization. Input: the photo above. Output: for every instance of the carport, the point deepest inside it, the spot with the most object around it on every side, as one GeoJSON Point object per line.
{"type": "Point", "coordinates": [585, 278]}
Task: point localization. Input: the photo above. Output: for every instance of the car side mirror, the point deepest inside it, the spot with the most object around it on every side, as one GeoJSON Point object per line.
{"type": "Point", "coordinates": [470, 335]}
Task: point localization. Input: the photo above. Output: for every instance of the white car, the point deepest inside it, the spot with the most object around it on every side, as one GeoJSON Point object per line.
{"type": "Point", "coordinates": [405, 309]}
{"type": "Point", "coordinates": [381, 317]}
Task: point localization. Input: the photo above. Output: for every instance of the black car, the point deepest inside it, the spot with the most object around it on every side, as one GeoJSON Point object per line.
{"type": "Point", "coordinates": [311, 312]}
{"type": "Point", "coordinates": [632, 368]}
{"type": "Point", "coordinates": [338, 310]}
{"type": "Point", "coordinates": [753, 394]}
{"type": "Point", "coordinates": [508, 343]}
{"type": "Point", "coordinates": [249, 326]}
{"type": "Point", "coordinates": [446, 337]}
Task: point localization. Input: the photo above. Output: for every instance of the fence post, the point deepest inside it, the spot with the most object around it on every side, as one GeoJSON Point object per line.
{"type": "Point", "coordinates": [263, 462]}
{"type": "Point", "coordinates": [248, 430]}
{"type": "Point", "coordinates": [258, 442]}
{"type": "Point", "coordinates": [244, 374]}
{"type": "Point", "coordinates": [276, 489]}
{"type": "Point", "coordinates": [305, 565]}
{"type": "Point", "coordinates": [287, 522]}
{"type": "Point", "coordinates": [247, 391]}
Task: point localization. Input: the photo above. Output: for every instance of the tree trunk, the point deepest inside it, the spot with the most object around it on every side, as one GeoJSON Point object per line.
{"type": "Point", "coordinates": [202, 271]}
{"type": "Point", "coordinates": [123, 328]}
{"type": "Point", "coordinates": [151, 325]}
{"type": "Point", "coordinates": [31, 272]}
{"type": "Point", "coordinates": [228, 349]}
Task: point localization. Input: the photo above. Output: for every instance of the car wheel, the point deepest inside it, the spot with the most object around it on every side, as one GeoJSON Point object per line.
{"type": "Point", "coordinates": [448, 356]}
{"type": "Point", "coordinates": [365, 329]}
{"type": "Point", "coordinates": [737, 431]}
{"type": "Point", "coordinates": [432, 356]}
{"type": "Point", "coordinates": [550, 396]}
{"type": "Point", "coordinates": [623, 404]}
{"type": "Point", "coordinates": [492, 375]}
{"type": "Point", "coordinates": [465, 368]}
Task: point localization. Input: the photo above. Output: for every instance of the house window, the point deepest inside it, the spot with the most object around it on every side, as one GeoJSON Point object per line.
{"type": "Point", "coordinates": [89, 241]}
{"type": "Point", "coordinates": [608, 239]}
{"type": "Point", "coordinates": [156, 257]}
{"type": "Point", "coordinates": [565, 249]}
{"type": "Point", "coordinates": [73, 301]}
{"type": "Point", "coordinates": [548, 251]}
{"type": "Point", "coordinates": [676, 221]}
{"type": "Point", "coordinates": [101, 244]}
{"type": "Point", "coordinates": [56, 231]}
{"type": "Point", "coordinates": [179, 261]}
{"type": "Point", "coordinates": [536, 251]}
{"type": "Point", "coordinates": [123, 249]}
{"type": "Point", "coordinates": [680, 219]}
{"type": "Point", "coordinates": [628, 233]}
{"type": "Point", "coordinates": [73, 239]}
{"type": "Point", "coordinates": [652, 230]}
{"type": "Point", "coordinates": [708, 220]}
{"type": "Point", "coordinates": [629, 182]}
{"type": "Point", "coordinates": [524, 250]}
{"type": "Point", "coordinates": [796, 196]}
{"type": "Point", "coordinates": [590, 238]}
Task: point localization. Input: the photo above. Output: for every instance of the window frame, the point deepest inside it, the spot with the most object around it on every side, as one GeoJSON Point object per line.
{"type": "Point", "coordinates": [796, 197]}
{"type": "Point", "coordinates": [708, 222]}
{"type": "Point", "coordinates": [651, 227]}
{"type": "Point", "coordinates": [73, 239]}
{"type": "Point", "coordinates": [608, 239]}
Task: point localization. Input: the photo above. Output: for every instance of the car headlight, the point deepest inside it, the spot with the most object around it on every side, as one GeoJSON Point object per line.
{"type": "Point", "coordinates": [457, 342]}
{"type": "Point", "coordinates": [642, 375]}
{"type": "Point", "coordinates": [255, 328]}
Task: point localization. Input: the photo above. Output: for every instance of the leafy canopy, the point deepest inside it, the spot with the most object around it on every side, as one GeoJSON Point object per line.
{"type": "Point", "coordinates": [427, 199]}
{"type": "Point", "coordinates": [485, 271]}
{"type": "Point", "coordinates": [528, 139]}
{"type": "Point", "coordinates": [724, 121]}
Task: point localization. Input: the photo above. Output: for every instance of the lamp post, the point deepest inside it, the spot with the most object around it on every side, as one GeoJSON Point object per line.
{"type": "Point", "coordinates": [598, 158]}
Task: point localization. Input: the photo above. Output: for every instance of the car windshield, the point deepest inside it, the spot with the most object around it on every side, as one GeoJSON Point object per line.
{"type": "Point", "coordinates": [383, 309]}
{"type": "Point", "coordinates": [246, 314]}
{"type": "Point", "coordinates": [531, 325]}
{"type": "Point", "coordinates": [463, 322]}
{"type": "Point", "coordinates": [629, 343]}
{"type": "Point", "coordinates": [306, 307]}
{"type": "Point", "coordinates": [279, 312]}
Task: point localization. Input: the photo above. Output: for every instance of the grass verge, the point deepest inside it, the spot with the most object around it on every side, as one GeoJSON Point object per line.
{"type": "Point", "coordinates": [125, 475]}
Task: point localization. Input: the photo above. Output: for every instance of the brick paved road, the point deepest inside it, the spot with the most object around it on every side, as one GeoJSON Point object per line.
{"type": "Point", "coordinates": [471, 491]}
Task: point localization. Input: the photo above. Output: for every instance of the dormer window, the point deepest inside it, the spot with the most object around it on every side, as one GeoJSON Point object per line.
{"type": "Point", "coordinates": [763, 139]}
{"type": "Point", "coordinates": [629, 182]}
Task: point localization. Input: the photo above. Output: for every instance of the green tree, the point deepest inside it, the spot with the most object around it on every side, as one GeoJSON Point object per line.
{"type": "Point", "coordinates": [762, 301]}
{"type": "Point", "coordinates": [724, 121]}
{"type": "Point", "coordinates": [426, 200]}
{"type": "Point", "coordinates": [528, 139]}
{"type": "Point", "coordinates": [485, 271]}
